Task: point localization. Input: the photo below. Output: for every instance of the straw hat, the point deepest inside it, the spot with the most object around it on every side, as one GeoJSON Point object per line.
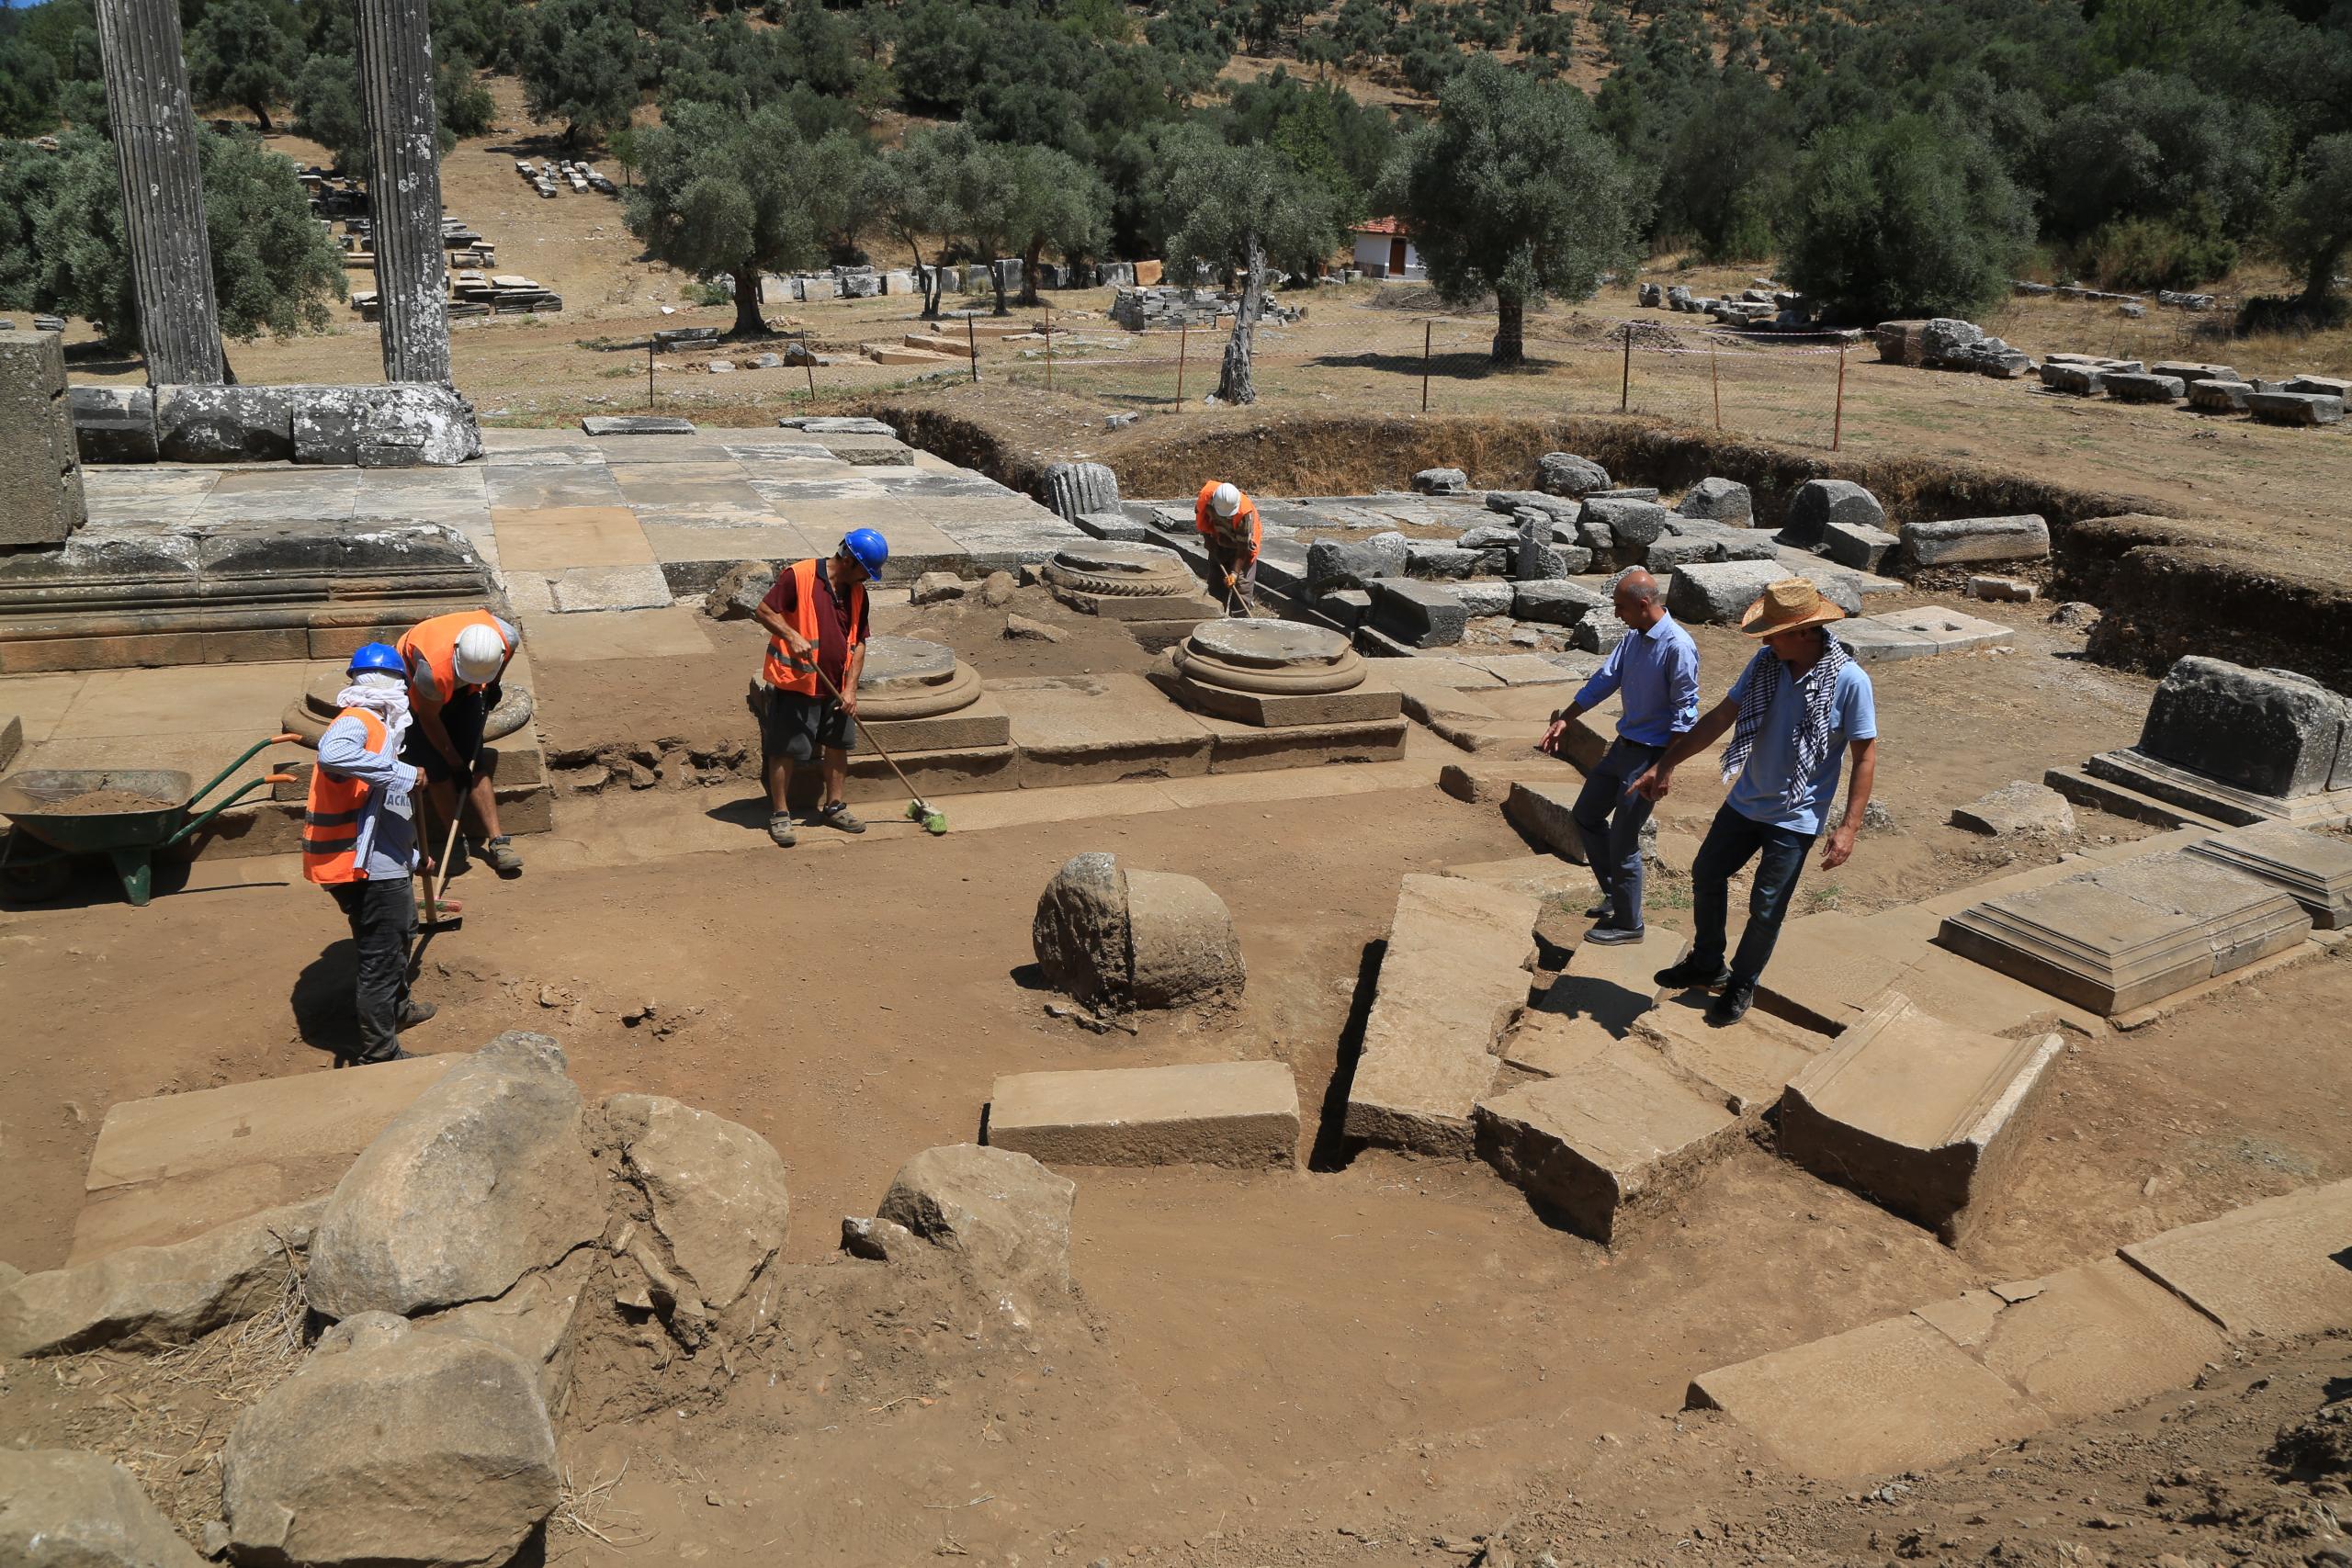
{"type": "Point", "coordinates": [1786, 606]}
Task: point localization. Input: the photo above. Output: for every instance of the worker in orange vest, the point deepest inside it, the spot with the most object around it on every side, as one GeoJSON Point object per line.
{"type": "Point", "coordinates": [817, 621]}
{"type": "Point", "coordinates": [454, 665]}
{"type": "Point", "coordinates": [359, 843]}
{"type": "Point", "coordinates": [1227, 520]}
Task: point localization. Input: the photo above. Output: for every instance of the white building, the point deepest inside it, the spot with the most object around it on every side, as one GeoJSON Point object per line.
{"type": "Point", "coordinates": [1382, 251]}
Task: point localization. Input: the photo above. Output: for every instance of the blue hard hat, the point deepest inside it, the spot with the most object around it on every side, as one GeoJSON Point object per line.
{"type": "Point", "coordinates": [377, 656]}
{"type": "Point", "coordinates": [870, 549]}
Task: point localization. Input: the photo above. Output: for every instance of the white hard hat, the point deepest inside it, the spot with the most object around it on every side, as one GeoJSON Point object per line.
{"type": "Point", "coordinates": [482, 654]}
{"type": "Point", "coordinates": [1228, 501]}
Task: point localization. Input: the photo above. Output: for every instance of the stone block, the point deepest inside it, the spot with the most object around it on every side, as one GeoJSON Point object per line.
{"type": "Point", "coordinates": [1744, 1067]}
{"type": "Point", "coordinates": [1857, 544]}
{"type": "Point", "coordinates": [2189, 372]}
{"type": "Point", "coordinates": [1958, 540]}
{"type": "Point", "coordinates": [2314, 869]}
{"type": "Point", "coordinates": [1890, 1396]}
{"type": "Point", "coordinates": [12, 738]}
{"type": "Point", "coordinates": [1418, 614]}
{"type": "Point", "coordinates": [1565, 473]}
{"type": "Point", "coordinates": [2219, 397]}
{"type": "Point", "coordinates": [1485, 598]}
{"type": "Point", "coordinates": [1607, 988]}
{"type": "Point", "coordinates": [1610, 1139]}
{"type": "Point", "coordinates": [2003, 590]}
{"type": "Point", "coordinates": [2273, 1269]}
{"type": "Point", "coordinates": [1729, 542]}
{"type": "Point", "coordinates": [399, 426]}
{"type": "Point", "coordinates": [2128, 935]}
{"type": "Point", "coordinates": [2295, 408]}
{"type": "Point", "coordinates": [1354, 563]}
{"type": "Point", "coordinates": [2082, 1342]}
{"type": "Point", "coordinates": [2269, 732]}
{"type": "Point", "coordinates": [583, 588]}
{"type": "Point", "coordinates": [1442, 481]}
{"type": "Point", "coordinates": [1453, 974]}
{"type": "Point", "coordinates": [1719, 499]}
{"type": "Point", "coordinates": [637, 424]}
{"type": "Point", "coordinates": [2318, 386]}
{"type": "Point", "coordinates": [1621, 522]}
{"type": "Point", "coordinates": [1715, 593]}
{"type": "Point", "coordinates": [1816, 504]}
{"type": "Point", "coordinates": [1918, 1114]}
{"type": "Point", "coordinates": [1949, 631]}
{"type": "Point", "coordinates": [1228, 1114]}
{"type": "Point", "coordinates": [2022, 808]}
{"type": "Point", "coordinates": [1556, 602]}
{"type": "Point", "coordinates": [1098, 730]}
{"type": "Point", "coordinates": [1249, 748]}
{"type": "Point", "coordinates": [1545, 813]}
{"type": "Point", "coordinates": [114, 424]}
{"type": "Point", "coordinates": [66, 1508]}
{"type": "Point", "coordinates": [2082, 380]}
{"type": "Point", "coordinates": [1074, 490]}
{"type": "Point", "coordinates": [41, 478]}
{"type": "Point", "coordinates": [2141, 386]}
{"type": "Point", "coordinates": [1443, 562]}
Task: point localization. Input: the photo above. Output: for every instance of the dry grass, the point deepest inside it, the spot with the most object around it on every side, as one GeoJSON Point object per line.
{"type": "Point", "coordinates": [590, 1511]}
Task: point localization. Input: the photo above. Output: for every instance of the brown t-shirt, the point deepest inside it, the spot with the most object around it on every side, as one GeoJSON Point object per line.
{"type": "Point", "coordinates": [836, 633]}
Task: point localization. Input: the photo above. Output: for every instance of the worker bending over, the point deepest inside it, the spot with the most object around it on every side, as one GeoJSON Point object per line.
{"type": "Point", "coordinates": [359, 843]}
{"type": "Point", "coordinates": [1227, 520]}
{"type": "Point", "coordinates": [816, 624]}
{"type": "Point", "coordinates": [455, 663]}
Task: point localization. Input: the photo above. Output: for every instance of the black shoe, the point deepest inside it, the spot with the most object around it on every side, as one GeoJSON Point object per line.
{"type": "Point", "coordinates": [1599, 912]}
{"type": "Point", "coordinates": [1733, 1005]}
{"type": "Point", "coordinates": [414, 1013]}
{"type": "Point", "coordinates": [397, 1056]}
{"type": "Point", "coordinates": [1694, 974]}
{"type": "Point", "coordinates": [1615, 936]}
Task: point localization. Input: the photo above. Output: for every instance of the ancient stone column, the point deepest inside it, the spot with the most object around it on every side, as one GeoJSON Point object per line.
{"type": "Point", "coordinates": [404, 192]}
{"type": "Point", "coordinates": [162, 195]}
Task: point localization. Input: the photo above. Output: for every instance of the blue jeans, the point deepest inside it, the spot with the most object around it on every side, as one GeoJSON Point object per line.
{"type": "Point", "coordinates": [1730, 841]}
{"type": "Point", "coordinates": [1609, 818]}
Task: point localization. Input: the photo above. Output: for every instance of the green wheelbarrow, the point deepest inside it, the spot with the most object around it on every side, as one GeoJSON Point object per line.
{"type": "Point", "coordinates": [125, 814]}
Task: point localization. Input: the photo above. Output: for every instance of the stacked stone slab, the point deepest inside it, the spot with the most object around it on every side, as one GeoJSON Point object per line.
{"type": "Point", "coordinates": [2239, 745]}
{"type": "Point", "coordinates": [2314, 869]}
{"type": "Point", "coordinates": [40, 475]}
{"type": "Point", "coordinates": [1918, 1113]}
{"type": "Point", "coordinates": [1225, 1113]}
{"type": "Point", "coordinates": [927, 708]}
{"type": "Point", "coordinates": [1147, 588]}
{"type": "Point", "coordinates": [1277, 675]}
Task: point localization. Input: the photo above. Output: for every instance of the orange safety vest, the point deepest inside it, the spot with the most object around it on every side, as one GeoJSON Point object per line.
{"type": "Point", "coordinates": [785, 670]}
{"type": "Point", "coordinates": [330, 822]}
{"type": "Point", "coordinates": [435, 643]}
{"type": "Point", "coordinates": [1226, 532]}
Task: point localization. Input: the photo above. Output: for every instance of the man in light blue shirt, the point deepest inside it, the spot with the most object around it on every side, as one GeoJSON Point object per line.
{"type": "Point", "coordinates": [1654, 671]}
{"type": "Point", "coordinates": [1798, 710]}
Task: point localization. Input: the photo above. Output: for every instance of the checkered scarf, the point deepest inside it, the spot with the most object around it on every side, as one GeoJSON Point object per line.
{"type": "Point", "coordinates": [1818, 686]}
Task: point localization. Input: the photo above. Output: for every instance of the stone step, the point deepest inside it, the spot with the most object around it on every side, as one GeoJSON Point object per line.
{"type": "Point", "coordinates": [1545, 813]}
{"type": "Point", "coordinates": [1229, 1114]}
{"type": "Point", "coordinates": [2274, 1268]}
{"type": "Point", "coordinates": [2123, 800]}
{"type": "Point", "coordinates": [1455, 973]}
{"type": "Point", "coordinates": [1612, 1137]}
{"type": "Point", "coordinates": [1743, 1068]}
{"type": "Point", "coordinates": [1918, 1114]}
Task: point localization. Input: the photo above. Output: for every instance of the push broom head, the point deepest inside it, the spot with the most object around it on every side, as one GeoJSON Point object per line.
{"type": "Point", "coordinates": [934, 820]}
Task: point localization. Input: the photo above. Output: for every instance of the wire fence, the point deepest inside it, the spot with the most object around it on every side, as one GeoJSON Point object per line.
{"type": "Point", "coordinates": [1345, 357]}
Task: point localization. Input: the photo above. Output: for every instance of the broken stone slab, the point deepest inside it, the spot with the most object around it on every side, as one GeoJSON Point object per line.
{"type": "Point", "coordinates": [1565, 473]}
{"type": "Point", "coordinates": [1420, 614]}
{"type": "Point", "coordinates": [1442, 562]}
{"type": "Point", "coordinates": [1546, 813]}
{"type": "Point", "coordinates": [2273, 1269]}
{"type": "Point", "coordinates": [2190, 372]}
{"type": "Point", "coordinates": [1621, 522]}
{"type": "Point", "coordinates": [395, 1449]}
{"type": "Point", "coordinates": [2314, 869]}
{"type": "Point", "coordinates": [637, 424]}
{"type": "Point", "coordinates": [534, 1320]}
{"type": "Point", "coordinates": [2295, 408]}
{"type": "Point", "coordinates": [1442, 481]}
{"type": "Point", "coordinates": [66, 1508]}
{"type": "Point", "coordinates": [1117, 938]}
{"type": "Point", "coordinates": [838, 424]}
{"type": "Point", "coordinates": [1453, 974]}
{"type": "Point", "coordinates": [151, 1298]}
{"type": "Point", "coordinates": [114, 424]}
{"type": "Point", "coordinates": [1919, 1114]}
{"type": "Point", "coordinates": [1952, 631]}
{"type": "Point", "coordinates": [1004, 1216]}
{"type": "Point", "coordinates": [1074, 490]}
{"type": "Point", "coordinates": [1742, 1066]}
{"type": "Point", "coordinates": [1718, 592]}
{"type": "Point", "coordinates": [1226, 1113]}
{"type": "Point", "coordinates": [2002, 590]}
{"type": "Point", "coordinates": [1610, 987]}
{"type": "Point", "coordinates": [1816, 504]}
{"type": "Point", "coordinates": [1606, 1140]}
{"type": "Point", "coordinates": [2023, 808]}
{"type": "Point", "coordinates": [401, 427]}
{"type": "Point", "coordinates": [2141, 386]}
{"type": "Point", "coordinates": [717, 1190]}
{"type": "Point", "coordinates": [485, 1176]}
{"type": "Point", "coordinates": [1960, 539]}
{"type": "Point", "coordinates": [1354, 563]}
{"type": "Point", "coordinates": [1720, 500]}
{"type": "Point", "coordinates": [1888, 1397]}
{"type": "Point", "coordinates": [2125, 936]}
{"type": "Point", "coordinates": [1556, 602]}
{"type": "Point", "coordinates": [2082, 380]}
{"type": "Point", "coordinates": [1857, 544]}
{"type": "Point", "coordinates": [2318, 386]}
{"type": "Point", "coordinates": [1479, 599]}
{"type": "Point", "coordinates": [2219, 397]}
{"type": "Point", "coordinates": [2269, 732]}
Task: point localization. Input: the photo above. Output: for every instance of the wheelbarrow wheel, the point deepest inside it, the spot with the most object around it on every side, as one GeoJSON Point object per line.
{"type": "Point", "coordinates": [37, 880]}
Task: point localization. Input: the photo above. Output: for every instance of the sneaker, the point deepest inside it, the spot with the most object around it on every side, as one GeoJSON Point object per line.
{"type": "Point", "coordinates": [837, 815]}
{"type": "Point", "coordinates": [397, 1056]}
{"type": "Point", "coordinates": [500, 855]}
{"type": "Point", "coordinates": [1615, 936]}
{"type": "Point", "coordinates": [414, 1013]}
{"type": "Point", "coordinates": [780, 829]}
{"type": "Point", "coordinates": [1692, 974]}
{"type": "Point", "coordinates": [1733, 1005]}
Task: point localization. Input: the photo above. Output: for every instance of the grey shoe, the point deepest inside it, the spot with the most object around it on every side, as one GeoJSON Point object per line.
{"type": "Point", "coordinates": [414, 1013]}
{"type": "Point", "coordinates": [500, 856]}
{"type": "Point", "coordinates": [780, 829]}
{"type": "Point", "coordinates": [837, 815]}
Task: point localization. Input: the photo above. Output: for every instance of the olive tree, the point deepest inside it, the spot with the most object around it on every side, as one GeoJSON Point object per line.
{"type": "Point", "coordinates": [1058, 204]}
{"type": "Point", "coordinates": [1242, 210]}
{"type": "Point", "coordinates": [2314, 228]}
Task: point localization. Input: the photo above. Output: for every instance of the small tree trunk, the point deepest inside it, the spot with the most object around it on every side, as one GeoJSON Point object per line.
{"type": "Point", "coordinates": [1029, 300]}
{"type": "Point", "coordinates": [1234, 384]}
{"type": "Point", "coordinates": [1510, 347]}
{"type": "Point", "coordinates": [261, 113]}
{"type": "Point", "coordinates": [2320, 281]}
{"type": "Point", "coordinates": [748, 322]}
{"type": "Point", "coordinates": [928, 281]}
{"type": "Point", "coordinates": [996, 277]}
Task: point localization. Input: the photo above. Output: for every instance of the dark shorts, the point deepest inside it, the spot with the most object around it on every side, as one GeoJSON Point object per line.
{"type": "Point", "coordinates": [795, 726]}
{"type": "Point", "coordinates": [463, 716]}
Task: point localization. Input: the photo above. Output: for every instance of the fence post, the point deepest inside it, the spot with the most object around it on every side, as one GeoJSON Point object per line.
{"type": "Point", "coordinates": [1714, 385]}
{"type": "Point", "coordinates": [1837, 420]}
{"type": "Point", "coordinates": [972, 340]}
{"type": "Point", "coordinates": [1049, 348]}
{"type": "Point", "coordinates": [1425, 367]}
{"type": "Point", "coordinates": [1625, 387]}
{"type": "Point", "coordinates": [649, 370]}
{"type": "Point", "coordinates": [808, 363]}
{"type": "Point", "coordinates": [1184, 333]}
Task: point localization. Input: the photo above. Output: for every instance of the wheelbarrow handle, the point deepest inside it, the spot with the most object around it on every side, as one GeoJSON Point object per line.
{"type": "Point", "coordinates": [250, 753]}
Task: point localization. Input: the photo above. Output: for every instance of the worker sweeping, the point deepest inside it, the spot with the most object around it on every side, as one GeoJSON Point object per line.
{"type": "Point", "coordinates": [454, 665]}
{"type": "Point", "coordinates": [359, 842]}
{"type": "Point", "coordinates": [817, 623]}
{"type": "Point", "coordinates": [1227, 520]}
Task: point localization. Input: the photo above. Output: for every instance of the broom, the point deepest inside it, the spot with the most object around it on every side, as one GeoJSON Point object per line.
{"type": "Point", "coordinates": [934, 820]}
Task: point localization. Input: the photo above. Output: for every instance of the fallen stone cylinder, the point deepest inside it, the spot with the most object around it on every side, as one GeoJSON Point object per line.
{"type": "Point", "coordinates": [1115, 937]}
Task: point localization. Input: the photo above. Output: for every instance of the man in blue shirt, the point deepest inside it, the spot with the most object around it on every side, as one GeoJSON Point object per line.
{"type": "Point", "coordinates": [1654, 668]}
{"type": "Point", "coordinates": [1801, 705]}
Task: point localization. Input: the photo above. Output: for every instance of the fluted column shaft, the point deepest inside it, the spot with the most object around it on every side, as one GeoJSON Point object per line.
{"type": "Point", "coordinates": [404, 189]}
{"type": "Point", "coordinates": [163, 189]}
